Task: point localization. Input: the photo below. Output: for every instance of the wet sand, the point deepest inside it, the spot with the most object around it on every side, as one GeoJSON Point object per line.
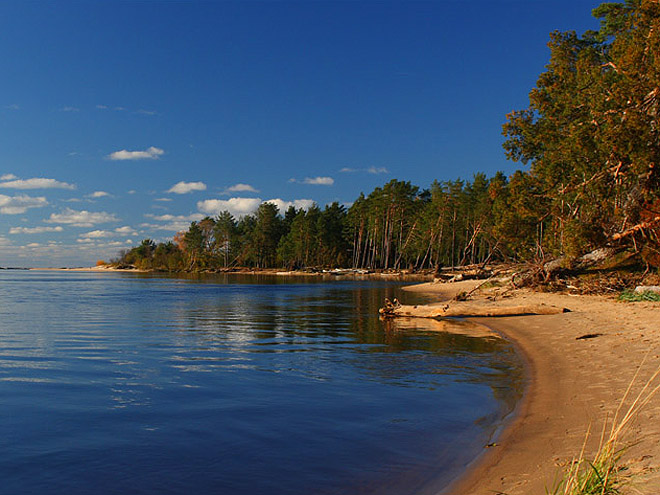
{"type": "Point", "coordinates": [573, 384]}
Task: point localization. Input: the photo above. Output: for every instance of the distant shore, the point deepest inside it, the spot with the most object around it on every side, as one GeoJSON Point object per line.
{"type": "Point", "coordinates": [99, 268]}
{"type": "Point", "coordinates": [579, 366]}
{"type": "Point", "coordinates": [336, 273]}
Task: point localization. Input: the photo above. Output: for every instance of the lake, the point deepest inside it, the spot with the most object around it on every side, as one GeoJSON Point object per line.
{"type": "Point", "coordinates": [120, 383]}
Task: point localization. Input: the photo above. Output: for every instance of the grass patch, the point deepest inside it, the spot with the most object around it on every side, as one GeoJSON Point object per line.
{"type": "Point", "coordinates": [604, 474]}
{"type": "Point", "coordinates": [629, 295]}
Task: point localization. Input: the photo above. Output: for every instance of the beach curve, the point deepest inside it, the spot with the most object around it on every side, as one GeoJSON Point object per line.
{"type": "Point", "coordinates": [579, 365]}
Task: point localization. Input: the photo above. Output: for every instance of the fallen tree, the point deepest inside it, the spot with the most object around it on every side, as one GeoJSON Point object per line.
{"type": "Point", "coordinates": [545, 271]}
{"type": "Point", "coordinates": [465, 309]}
{"type": "Point", "coordinates": [457, 274]}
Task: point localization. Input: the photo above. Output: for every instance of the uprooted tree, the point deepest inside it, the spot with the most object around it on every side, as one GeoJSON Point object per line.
{"type": "Point", "coordinates": [592, 138]}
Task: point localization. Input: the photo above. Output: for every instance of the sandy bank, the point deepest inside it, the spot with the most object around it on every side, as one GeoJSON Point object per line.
{"type": "Point", "coordinates": [572, 383]}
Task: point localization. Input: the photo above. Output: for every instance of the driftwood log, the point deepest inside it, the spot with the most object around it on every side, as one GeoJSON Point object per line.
{"type": "Point", "coordinates": [462, 274]}
{"type": "Point", "coordinates": [464, 309]}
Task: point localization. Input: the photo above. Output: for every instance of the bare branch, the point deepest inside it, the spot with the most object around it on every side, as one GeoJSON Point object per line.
{"type": "Point", "coordinates": [636, 228]}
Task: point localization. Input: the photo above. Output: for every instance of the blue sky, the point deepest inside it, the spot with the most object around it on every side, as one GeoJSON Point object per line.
{"type": "Point", "coordinates": [126, 120]}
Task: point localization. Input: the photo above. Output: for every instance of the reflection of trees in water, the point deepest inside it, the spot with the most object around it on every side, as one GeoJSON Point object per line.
{"type": "Point", "coordinates": [339, 322]}
{"type": "Point", "coordinates": [470, 352]}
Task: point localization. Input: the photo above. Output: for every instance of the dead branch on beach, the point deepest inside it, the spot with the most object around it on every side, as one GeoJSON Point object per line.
{"type": "Point", "coordinates": [457, 274]}
{"type": "Point", "coordinates": [464, 309]}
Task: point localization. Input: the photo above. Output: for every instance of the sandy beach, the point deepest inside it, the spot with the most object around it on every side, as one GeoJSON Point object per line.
{"type": "Point", "coordinates": [573, 384]}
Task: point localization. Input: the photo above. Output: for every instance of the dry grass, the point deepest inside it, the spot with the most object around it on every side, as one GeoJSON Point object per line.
{"type": "Point", "coordinates": [603, 474]}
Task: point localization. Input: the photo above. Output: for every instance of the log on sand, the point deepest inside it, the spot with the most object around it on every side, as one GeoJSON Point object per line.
{"type": "Point", "coordinates": [465, 309]}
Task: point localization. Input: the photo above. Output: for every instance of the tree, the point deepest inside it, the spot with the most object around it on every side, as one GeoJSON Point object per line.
{"type": "Point", "coordinates": [591, 133]}
{"type": "Point", "coordinates": [225, 235]}
{"type": "Point", "coordinates": [168, 257]}
{"type": "Point", "coordinates": [194, 244]}
{"type": "Point", "coordinates": [332, 245]}
{"type": "Point", "coordinates": [265, 237]}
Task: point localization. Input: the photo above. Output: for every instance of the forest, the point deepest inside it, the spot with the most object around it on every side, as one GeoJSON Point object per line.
{"type": "Point", "coordinates": [589, 147]}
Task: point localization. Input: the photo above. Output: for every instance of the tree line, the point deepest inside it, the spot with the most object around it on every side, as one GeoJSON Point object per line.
{"type": "Point", "coordinates": [590, 139]}
{"type": "Point", "coordinates": [396, 226]}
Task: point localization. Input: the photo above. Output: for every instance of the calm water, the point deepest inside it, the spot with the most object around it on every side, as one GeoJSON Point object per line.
{"type": "Point", "coordinates": [119, 383]}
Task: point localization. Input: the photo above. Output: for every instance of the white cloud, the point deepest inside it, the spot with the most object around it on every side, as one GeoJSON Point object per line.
{"type": "Point", "coordinates": [96, 234]}
{"type": "Point", "coordinates": [243, 206]}
{"type": "Point", "coordinates": [169, 227]}
{"type": "Point", "coordinates": [8, 177]}
{"type": "Point", "coordinates": [370, 170]}
{"type": "Point", "coordinates": [17, 205]}
{"type": "Point", "coordinates": [36, 183]}
{"type": "Point", "coordinates": [165, 200]}
{"type": "Point", "coordinates": [319, 181]}
{"type": "Point", "coordinates": [241, 188]}
{"type": "Point", "coordinates": [126, 230]}
{"type": "Point", "coordinates": [282, 205]}
{"type": "Point", "coordinates": [151, 153]}
{"type": "Point", "coordinates": [13, 106]}
{"type": "Point", "coordinates": [236, 206]}
{"type": "Point", "coordinates": [34, 230]}
{"type": "Point", "coordinates": [173, 223]}
{"type": "Point", "coordinates": [69, 109]}
{"type": "Point", "coordinates": [147, 112]}
{"type": "Point", "coordinates": [99, 194]}
{"type": "Point", "coordinates": [315, 181]}
{"type": "Point", "coordinates": [81, 218]}
{"type": "Point", "coordinates": [186, 187]}
{"type": "Point", "coordinates": [102, 107]}
{"type": "Point", "coordinates": [168, 218]}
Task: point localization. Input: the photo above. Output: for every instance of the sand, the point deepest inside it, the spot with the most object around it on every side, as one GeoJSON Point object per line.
{"type": "Point", "coordinates": [573, 385]}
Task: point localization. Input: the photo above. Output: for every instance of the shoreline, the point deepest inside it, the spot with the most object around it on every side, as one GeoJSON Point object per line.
{"type": "Point", "coordinates": [276, 272]}
{"type": "Point", "coordinates": [479, 470]}
{"type": "Point", "coordinates": [572, 384]}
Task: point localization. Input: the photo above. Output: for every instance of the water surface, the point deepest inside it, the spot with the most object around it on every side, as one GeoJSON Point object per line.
{"type": "Point", "coordinates": [122, 383]}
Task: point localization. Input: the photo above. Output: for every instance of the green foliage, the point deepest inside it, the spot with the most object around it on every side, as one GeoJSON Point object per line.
{"type": "Point", "coordinates": [591, 134]}
{"type": "Point", "coordinates": [632, 296]}
{"type": "Point", "coordinates": [396, 226]}
{"type": "Point", "coordinates": [226, 238]}
{"type": "Point", "coordinates": [266, 234]}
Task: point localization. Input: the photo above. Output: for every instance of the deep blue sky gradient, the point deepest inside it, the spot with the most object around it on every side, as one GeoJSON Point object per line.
{"type": "Point", "coordinates": [256, 93]}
